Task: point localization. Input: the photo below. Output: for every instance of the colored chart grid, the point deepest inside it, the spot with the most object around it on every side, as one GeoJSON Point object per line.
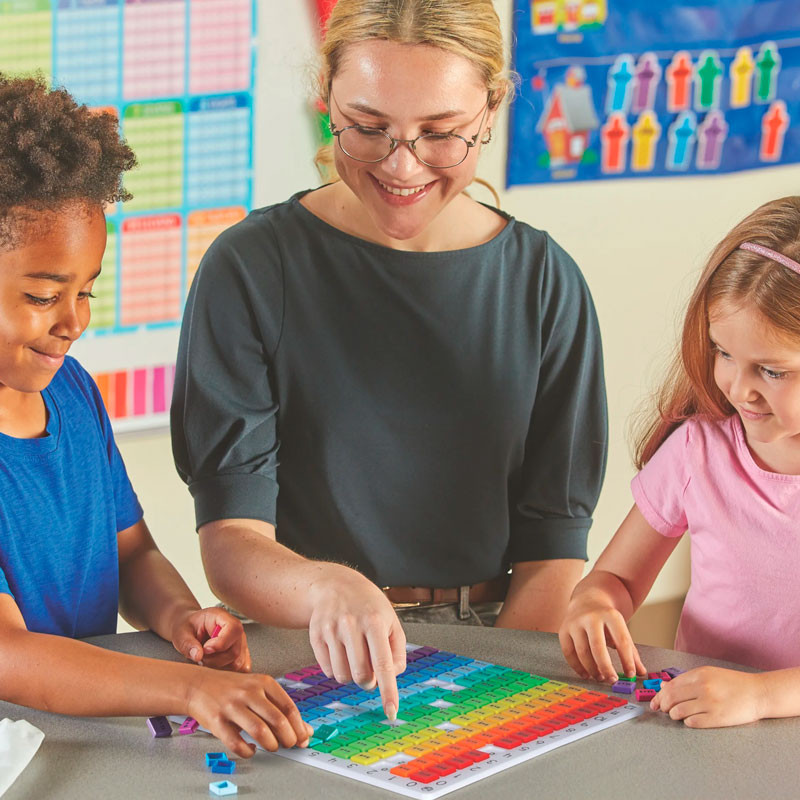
{"type": "Point", "coordinates": [25, 36]}
{"type": "Point", "coordinates": [104, 304]}
{"type": "Point", "coordinates": [155, 132]}
{"type": "Point", "coordinates": [179, 76]}
{"type": "Point", "coordinates": [137, 392]}
{"type": "Point", "coordinates": [202, 228]}
{"type": "Point", "coordinates": [154, 49]}
{"type": "Point", "coordinates": [87, 45]}
{"type": "Point", "coordinates": [151, 269]}
{"type": "Point", "coordinates": [219, 49]}
{"type": "Point", "coordinates": [218, 150]}
{"type": "Point", "coordinates": [460, 720]}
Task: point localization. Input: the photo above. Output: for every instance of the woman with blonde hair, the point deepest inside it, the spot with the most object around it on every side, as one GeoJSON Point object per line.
{"type": "Point", "coordinates": [430, 366]}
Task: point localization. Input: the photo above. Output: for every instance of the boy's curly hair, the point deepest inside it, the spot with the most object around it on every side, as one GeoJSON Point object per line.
{"type": "Point", "coordinates": [54, 152]}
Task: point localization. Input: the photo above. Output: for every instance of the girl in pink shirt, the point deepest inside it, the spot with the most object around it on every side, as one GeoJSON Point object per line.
{"type": "Point", "coordinates": [721, 459]}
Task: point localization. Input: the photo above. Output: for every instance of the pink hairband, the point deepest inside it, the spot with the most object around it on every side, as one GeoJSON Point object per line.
{"type": "Point", "coordinates": [773, 255]}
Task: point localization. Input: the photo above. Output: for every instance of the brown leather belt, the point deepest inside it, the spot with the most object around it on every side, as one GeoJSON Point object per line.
{"type": "Point", "coordinates": [492, 591]}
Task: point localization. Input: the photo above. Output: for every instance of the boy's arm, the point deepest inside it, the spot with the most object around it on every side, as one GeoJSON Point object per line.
{"type": "Point", "coordinates": [90, 681]}
{"type": "Point", "coordinates": [608, 596]}
{"type": "Point", "coordinates": [152, 595]}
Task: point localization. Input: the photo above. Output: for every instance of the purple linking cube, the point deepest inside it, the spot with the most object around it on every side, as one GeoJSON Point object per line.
{"type": "Point", "coordinates": [623, 687]}
{"type": "Point", "coordinates": [159, 727]}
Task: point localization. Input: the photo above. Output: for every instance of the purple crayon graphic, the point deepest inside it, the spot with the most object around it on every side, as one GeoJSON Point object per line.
{"type": "Point", "coordinates": [711, 135]}
{"type": "Point", "coordinates": [646, 79]}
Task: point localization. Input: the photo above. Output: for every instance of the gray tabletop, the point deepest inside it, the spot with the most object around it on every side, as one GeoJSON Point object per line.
{"type": "Point", "coordinates": [649, 757]}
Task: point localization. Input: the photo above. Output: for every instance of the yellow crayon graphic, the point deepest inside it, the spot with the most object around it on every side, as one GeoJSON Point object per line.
{"type": "Point", "coordinates": [646, 133]}
{"type": "Point", "coordinates": [741, 74]}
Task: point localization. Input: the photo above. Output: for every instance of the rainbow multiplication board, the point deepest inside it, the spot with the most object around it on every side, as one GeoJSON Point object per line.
{"type": "Point", "coordinates": [460, 720]}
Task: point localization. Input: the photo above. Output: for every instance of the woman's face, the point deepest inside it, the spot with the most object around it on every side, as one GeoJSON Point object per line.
{"type": "Point", "coordinates": [407, 90]}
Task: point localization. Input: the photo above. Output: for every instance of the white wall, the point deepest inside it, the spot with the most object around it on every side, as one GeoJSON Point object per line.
{"type": "Point", "coordinates": [638, 242]}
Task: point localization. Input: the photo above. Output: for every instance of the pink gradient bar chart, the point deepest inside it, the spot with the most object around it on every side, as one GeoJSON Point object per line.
{"type": "Point", "coordinates": [219, 46]}
{"type": "Point", "coordinates": [154, 50]}
{"type": "Point", "coordinates": [151, 269]}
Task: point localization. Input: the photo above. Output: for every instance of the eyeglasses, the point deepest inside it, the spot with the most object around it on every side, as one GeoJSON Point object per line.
{"type": "Point", "coordinates": [437, 150]}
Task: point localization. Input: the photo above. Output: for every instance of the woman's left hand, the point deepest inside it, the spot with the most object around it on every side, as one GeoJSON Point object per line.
{"type": "Point", "coordinates": [712, 697]}
{"type": "Point", "coordinates": [193, 637]}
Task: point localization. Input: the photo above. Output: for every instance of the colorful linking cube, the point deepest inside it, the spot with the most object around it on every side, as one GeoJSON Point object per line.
{"type": "Point", "coordinates": [188, 726]}
{"type": "Point", "coordinates": [223, 788]}
{"type": "Point", "coordinates": [212, 758]}
{"type": "Point", "coordinates": [651, 684]}
{"type": "Point", "coordinates": [159, 727]}
{"type": "Point", "coordinates": [224, 765]}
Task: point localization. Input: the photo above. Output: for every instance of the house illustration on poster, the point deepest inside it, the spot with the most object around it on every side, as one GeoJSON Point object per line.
{"type": "Point", "coordinates": [549, 16]}
{"type": "Point", "coordinates": [568, 119]}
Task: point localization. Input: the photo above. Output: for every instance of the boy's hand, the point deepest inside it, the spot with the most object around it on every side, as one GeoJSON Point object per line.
{"type": "Point", "coordinates": [711, 697]}
{"type": "Point", "coordinates": [214, 638]}
{"type": "Point", "coordinates": [229, 703]}
{"type": "Point", "coordinates": [585, 635]}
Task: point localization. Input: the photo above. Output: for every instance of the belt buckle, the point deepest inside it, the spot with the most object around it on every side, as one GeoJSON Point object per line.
{"type": "Point", "coordinates": [410, 604]}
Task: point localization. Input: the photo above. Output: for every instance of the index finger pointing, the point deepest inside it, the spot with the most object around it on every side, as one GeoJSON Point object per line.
{"type": "Point", "coordinates": [382, 658]}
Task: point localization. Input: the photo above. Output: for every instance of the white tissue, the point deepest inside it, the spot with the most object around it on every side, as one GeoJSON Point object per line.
{"type": "Point", "coordinates": [19, 742]}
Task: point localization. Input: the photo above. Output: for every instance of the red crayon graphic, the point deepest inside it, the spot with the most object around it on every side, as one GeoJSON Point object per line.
{"type": "Point", "coordinates": [679, 81]}
{"type": "Point", "coordinates": [773, 127]}
{"type": "Point", "coordinates": [615, 135]}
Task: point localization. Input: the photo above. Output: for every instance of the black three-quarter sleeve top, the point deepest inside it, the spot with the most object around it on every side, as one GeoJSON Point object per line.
{"type": "Point", "coordinates": [427, 417]}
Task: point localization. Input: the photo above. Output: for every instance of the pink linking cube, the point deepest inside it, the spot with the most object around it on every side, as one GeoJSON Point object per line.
{"type": "Point", "coordinates": [189, 725]}
{"type": "Point", "coordinates": [645, 694]}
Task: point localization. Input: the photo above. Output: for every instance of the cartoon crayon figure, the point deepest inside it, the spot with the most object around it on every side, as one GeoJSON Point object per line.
{"type": "Point", "coordinates": [620, 84]}
{"type": "Point", "coordinates": [646, 133]}
{"type": "Point", "coordinates": [647, 76]}
{"type": "Point", "coordinates": [709, 80]}
{"type": "Point", "coordinates": [711, 135]}
{"type": "Point", "coordinates": [614, 135]}
{"type": "Point", "coordinates": [741, 75]}
{"type": "Point", "coordinates": [679, 82]}
{"type": "Point", "coordinates": [681, 136]}
{"type": "Point", "coordinates": [768, 66]}
{"type": "Point", "coordinates": [773, 127]}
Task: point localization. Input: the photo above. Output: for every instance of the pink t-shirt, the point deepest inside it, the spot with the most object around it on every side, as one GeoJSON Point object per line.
{"type": "Point", "coordinates": [743, 604]}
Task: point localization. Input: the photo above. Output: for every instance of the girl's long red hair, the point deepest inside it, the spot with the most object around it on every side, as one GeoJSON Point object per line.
{"type": "Point", "coordinates": [731, 279]}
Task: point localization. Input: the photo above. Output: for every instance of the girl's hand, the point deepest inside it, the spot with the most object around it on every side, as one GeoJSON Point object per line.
{"type": "Point", "coordinates": [355, 633]}
{"type": "Point", "coordinates": [585, 635]}
{"type": "Point", "coordinates": [228, 703]}
{"type": "Point", "coordinates": [193, 637]}
{"type": "Point", "coordinates": [712, 697]}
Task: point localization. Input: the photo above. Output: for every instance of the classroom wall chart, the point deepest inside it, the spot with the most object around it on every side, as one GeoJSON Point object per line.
{"type": "Point", "coordinates": [180, 77]}
{"type": "Point", "coordinates": [627, 88]}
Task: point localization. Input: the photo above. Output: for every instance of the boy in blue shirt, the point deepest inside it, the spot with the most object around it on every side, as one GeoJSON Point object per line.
{"type": "Point", "coordinates": [74, 549]}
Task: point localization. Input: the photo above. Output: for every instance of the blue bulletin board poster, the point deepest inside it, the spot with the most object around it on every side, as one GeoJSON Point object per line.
{"type": "Point", "coordinates": [180, 77]}
{"type": "Point", "coordinates": [628, 88]}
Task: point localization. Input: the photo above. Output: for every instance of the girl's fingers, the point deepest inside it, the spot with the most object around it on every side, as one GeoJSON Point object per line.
{"type": "Point", "coordinates": [584, 653]}
{"type": "Point", "coordinates": [568, 649]}
{"type": "Point", "coordinates": [597, 643]}
{"type": "Point", "coordinates": [626, 650]}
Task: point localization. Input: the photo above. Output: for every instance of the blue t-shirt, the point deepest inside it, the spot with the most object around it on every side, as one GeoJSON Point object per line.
{"type": "Point", "coordinates": [63, 498]}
